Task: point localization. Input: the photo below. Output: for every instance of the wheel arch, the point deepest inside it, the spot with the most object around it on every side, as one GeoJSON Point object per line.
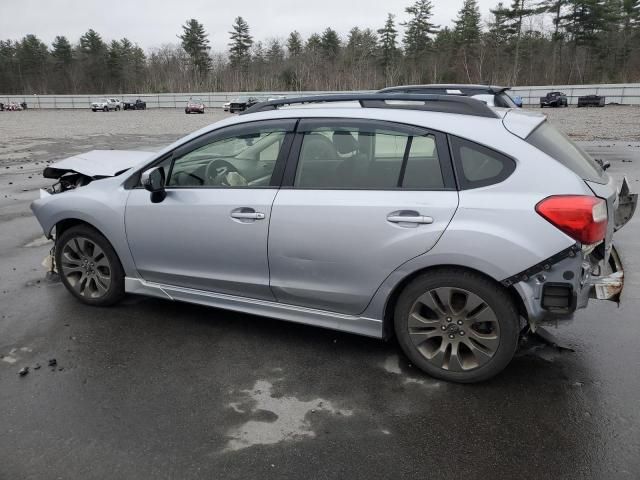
{"type": "Point", "coordinates": [392, 299]}
{"type": "Point", "coordinates": [63, 225]}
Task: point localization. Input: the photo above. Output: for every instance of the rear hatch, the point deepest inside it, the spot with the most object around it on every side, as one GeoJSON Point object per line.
{"type": "Point", "coordinates": [620, 203]}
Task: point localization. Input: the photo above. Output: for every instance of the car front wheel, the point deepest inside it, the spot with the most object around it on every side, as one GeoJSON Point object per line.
{"type": "Point", "coordinates": [89, 266]}
{"type": "Point", "coordinates": [457, 325]}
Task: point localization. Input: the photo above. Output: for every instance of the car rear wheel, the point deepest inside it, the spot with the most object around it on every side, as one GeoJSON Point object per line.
{"type": "Point", "coordinates": [89, 267]}
{"type": "Point", "coordinates": [457, 325]}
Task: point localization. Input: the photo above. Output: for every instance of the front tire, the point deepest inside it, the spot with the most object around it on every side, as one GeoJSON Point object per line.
{"type": "Point", "coordinates": [89, 266]}
{"type": "Point", "coordinates": [457, 325]}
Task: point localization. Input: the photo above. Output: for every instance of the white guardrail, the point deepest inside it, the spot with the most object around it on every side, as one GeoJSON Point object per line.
{"type": "Point", "coordinates": [623, 93]}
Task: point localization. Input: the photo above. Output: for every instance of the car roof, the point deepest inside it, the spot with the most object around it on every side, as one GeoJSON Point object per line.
{"type": "Point", "coordinates": [450, 86]}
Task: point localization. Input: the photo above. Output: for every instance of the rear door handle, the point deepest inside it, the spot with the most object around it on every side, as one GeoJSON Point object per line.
{"type": "Point", "coordinates": [417, 219]}
{"type": "Point", "coordinates": [247, 214]}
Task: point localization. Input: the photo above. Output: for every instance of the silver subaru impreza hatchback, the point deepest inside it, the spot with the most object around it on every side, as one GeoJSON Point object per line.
{"type": "Point", "coordinates": [438, 219]}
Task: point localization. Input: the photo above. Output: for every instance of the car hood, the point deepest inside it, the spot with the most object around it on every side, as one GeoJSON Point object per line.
{"type": "Point", "coordinates": [98, 163]}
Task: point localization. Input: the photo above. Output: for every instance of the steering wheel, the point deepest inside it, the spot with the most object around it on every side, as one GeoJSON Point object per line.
{"type": "Point", "coordinates": [221, 172]}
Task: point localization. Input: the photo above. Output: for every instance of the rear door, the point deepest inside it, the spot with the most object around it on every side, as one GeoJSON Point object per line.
{"type": "Point", "coordinates": [359, 199]}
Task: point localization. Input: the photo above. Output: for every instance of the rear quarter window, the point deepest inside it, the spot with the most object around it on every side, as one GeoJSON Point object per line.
{"type": "Point", "coordinates": [557, 145]}
{"type": "Point", "coordinates": [479, 166]}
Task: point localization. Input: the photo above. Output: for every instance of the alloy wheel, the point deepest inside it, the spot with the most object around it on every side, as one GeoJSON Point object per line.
{"type": "Point", "coordinates": [454, 329]}
{"type": "Point", "coordinates": [85, 267]}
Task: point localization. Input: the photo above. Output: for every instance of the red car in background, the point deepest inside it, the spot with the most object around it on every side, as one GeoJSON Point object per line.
{"type": "Point", "coordinates": [194, 106]}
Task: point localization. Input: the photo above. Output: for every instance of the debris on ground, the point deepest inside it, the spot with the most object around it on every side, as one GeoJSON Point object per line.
{"type": "Point", "coordinates": [53, 362]}
{"type": "Point", "coordinates": [23, 371]}
{"type": "Point", "coordinates": [37, 367]}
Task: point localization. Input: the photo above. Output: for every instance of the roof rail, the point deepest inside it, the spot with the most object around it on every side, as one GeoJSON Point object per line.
{"type": "Point", "coordinates": [431, 103]}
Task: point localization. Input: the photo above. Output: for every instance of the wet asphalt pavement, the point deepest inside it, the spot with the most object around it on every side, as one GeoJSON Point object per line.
{"type": "Point", "coordinates": [155, 389]}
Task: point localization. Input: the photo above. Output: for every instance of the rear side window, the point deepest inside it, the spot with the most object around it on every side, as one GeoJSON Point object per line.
{"type": "Point", "coordinates": [479, 166]}
{"type": "Point", "coordinates": [557, 145]}
{"type": "Point", "coordinates": [367, 158]}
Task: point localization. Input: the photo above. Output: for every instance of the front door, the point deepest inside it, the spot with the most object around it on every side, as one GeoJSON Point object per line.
{"type": "Point", "coordinates": [362, 199]}
{"type": "Point", "coordinates": [210, 232]}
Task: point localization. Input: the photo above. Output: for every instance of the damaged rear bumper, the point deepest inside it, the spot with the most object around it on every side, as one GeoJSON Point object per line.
{"type": "Point", "coordinates": [567, 282]}
{"type": "Point", "coordinates": [609, 287]}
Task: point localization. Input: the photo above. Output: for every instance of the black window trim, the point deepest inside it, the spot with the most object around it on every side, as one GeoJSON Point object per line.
{"type": "Point", "coordinates": [461, 181]}
{"type": "Point", "coordinates": [289, 125]}
{"type": "Point", "coordinates": [309, 123]}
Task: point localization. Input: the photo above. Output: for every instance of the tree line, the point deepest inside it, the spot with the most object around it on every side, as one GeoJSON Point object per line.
{"type": "Point", "coordinates": [526, 42]}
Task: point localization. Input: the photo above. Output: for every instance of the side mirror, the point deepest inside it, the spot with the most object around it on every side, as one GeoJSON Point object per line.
{"type": "Point", "coordinates": [153, 181]}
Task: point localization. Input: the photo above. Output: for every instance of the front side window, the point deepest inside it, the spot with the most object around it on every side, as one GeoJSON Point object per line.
{"type": "Point", "coordinates": [367, 158]}
{"type": "Point", "coordinates": [242, 160]}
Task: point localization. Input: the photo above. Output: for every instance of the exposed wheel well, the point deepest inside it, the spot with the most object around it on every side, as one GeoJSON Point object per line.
{"type": "Point", "coordinates": [388, 330]}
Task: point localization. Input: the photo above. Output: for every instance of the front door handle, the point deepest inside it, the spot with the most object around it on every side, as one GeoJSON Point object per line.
{"type": "Point", "coordinates": [247, 214]}
{"type": "Point", "coordinates": [409, 217]}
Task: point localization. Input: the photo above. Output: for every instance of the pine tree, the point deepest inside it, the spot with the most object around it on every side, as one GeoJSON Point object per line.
{"type": "Point", "coordinates": [467, 25]}
{"type": "Point", "coordinates": [275, 52]}
{"type": "Point", "coordinates": [241, 42]}
{"type": "Point", "coordinates": [294, 44]}
{"type": "Point", "coordinates": [61, 51]}
{"type": "Point", "coordinates": [388, 44]}
{"type": "Point", "coordinates": [196, 44]}
{"type": "Point", "coordinates": [514, 18]}
{"type": "Point", "coordinates": [92, 53]}
{"type": "Point", "coordinates": [466, 34]}
{"type": "Point", "coordinates": [330, 43]}
{"type": "Point", "coordinates": [314, 43]}
{"type": "Point", "coordinates": [31, 54]}
{"type": "Point", "coordinates": [419, 29]}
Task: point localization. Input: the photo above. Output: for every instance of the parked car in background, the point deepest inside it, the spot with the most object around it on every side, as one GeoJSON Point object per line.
{"type": "Point", "coordinates": [116, 102]}
{"type": "Point", "coordinates": [443, 221]}
{"type": "Point", "coordinates": [104, 105]}
{"type": "Point", "coordinates": [554, 100]}
{"type": "Point", "coordinates": [591, 101]}
{"type": "Point", "coordinates": [194, 105]}
{"type": "Point", "coordinates": [240, 104]}
{"type": "Point", "coordinates": [225, 106]}
{"type": "Point", "coordinates": [15, 107]}
{"type": "Point", "coordinates": [491, 95]}
{"type": "Point", "coordinates": [137, 105]}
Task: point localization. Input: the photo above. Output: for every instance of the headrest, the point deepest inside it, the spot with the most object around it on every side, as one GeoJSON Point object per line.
{"type": "Point", "coordinates": [344, 142]}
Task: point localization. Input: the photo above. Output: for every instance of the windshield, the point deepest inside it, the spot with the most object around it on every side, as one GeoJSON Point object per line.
{"type": "Point", "coordinates": [556, 144]}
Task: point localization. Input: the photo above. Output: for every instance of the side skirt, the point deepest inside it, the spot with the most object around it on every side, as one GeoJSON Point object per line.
{"type": "Point", "coordinates": [369, 327]}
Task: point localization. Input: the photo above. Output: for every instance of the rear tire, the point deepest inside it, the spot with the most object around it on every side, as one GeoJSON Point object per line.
{"type": "Point", "coordinates": [457, 325]}
{"type": "Point", "coordinates": [89, 266]}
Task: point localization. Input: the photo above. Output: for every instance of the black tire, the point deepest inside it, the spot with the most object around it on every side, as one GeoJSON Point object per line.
{"type": "Point", "coordinates": [93, 110]}
{"type": "Point", "coordinates": [505, 323]}
{"type": "Point", "coordinates": [115, 290]}
{"type": "Point", "coordinates": [186, 111]}
{"type": "Point", "coordinates": [105, 109]}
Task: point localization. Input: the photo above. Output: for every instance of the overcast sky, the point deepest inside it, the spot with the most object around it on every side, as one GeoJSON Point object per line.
{"type": "Point", "coordinates": [151, 23]}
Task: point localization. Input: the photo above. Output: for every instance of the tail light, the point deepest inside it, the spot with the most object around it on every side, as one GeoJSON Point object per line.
{"type": "Point", "coordinates": [582, 217]}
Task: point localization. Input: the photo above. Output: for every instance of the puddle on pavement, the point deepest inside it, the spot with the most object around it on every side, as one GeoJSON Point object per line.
{"type": "Point", "coordinates": [274, 420]}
